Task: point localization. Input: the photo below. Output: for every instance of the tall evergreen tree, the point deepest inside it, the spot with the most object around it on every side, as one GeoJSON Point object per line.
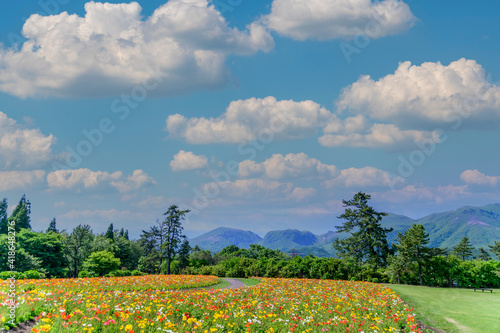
{"type": "Point", "coordinates": [411, 247]}
{"type": "Point", "coordinates": [4, 226]}
{"type": "Point", "coordinates": [110, 233]}
{"type": "Point", "coordinates": [171, 231]}
{"type": "Point", "coordinates": [78, 247]}
{"type": "Point", "coordinates": [368, 240]}
{"type": "Point", "coordinates": [126, 235]}
{"type": "Point", "coordinates": [464, 249]}
{"type": "Point", "coordinates": [52, 227]}
{"type": "Point", "coordinates": [483, 255]}
{"type": "Point", "coordinates": [495, 248]}
{"type": "Point", "coordinates": [184, 254]}
{"type": "Point", "coordinates": [21, 215]}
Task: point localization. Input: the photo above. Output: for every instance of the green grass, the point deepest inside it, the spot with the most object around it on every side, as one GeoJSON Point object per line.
{"type": "Point", "coordinates": [453, 309]}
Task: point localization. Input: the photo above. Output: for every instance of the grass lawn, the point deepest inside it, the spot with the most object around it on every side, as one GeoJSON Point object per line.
{"type": "Point", "coordinates": [453, 309]}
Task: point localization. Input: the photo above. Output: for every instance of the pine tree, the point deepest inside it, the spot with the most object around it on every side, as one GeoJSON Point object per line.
{"type": "Point", "coordinates": [368, 240]}
{"type": "Point", "coordinates": [126, 235]}
{"type": "Point", "coordinates": [110, 232]}
{"type": "Point", "coordinates": [184, 254]}
{"type": "Point", "coordinates": [411, 247]}
{"type": "Point", "coordinates": [464, 249]}
{"type": "Point", "coordinates": [4, 224]}
{"type": "Point", "coordinates": [52, 226]}
{"type": "Point", "coordinates": [171, 230]}
{"type": "Point", "coordinates": [21, 215]}
{"type": "Point", "coordinates": [483, 255]}
{"type": "Point", "coordinates": [495, 248]}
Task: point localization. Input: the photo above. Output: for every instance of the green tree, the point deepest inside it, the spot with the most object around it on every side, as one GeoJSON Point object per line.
{"type": "Point", "coordinates": [397, 265]}
{"type": "Point", "coordinates": [368, 240]}
{"type": "Point", "coordinates": [110, 232]}
{"type": "Point", "coordinates": [411, 247]}
{"type": "Point", "coordinates": [495, 248]}
{"type": "Point", "coordinates": [4, 226]}
{"type": "Point", "coordinates": [171, 233]}
{"type": "Point", "coordinates": [464, 249]}
{"type": "Point", "coordinates": [47, 247]}
{"type": "Point", "coordinates": [52, 227]}
{"type": "Point", "coordinates": [483, 255]}
{"type": "Point", "coordinates": [21, 214]}
{"type": "Point", "coordinates": [101, 263]}
{"type": "Point", "coordinates": [23, 260]}
{"type": "Point", "coordinates": [78, 246]}
{"type": "Point", "coordinates": [183, 255]}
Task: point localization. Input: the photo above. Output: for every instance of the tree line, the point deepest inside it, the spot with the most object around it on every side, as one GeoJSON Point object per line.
{"type": "Point", "coordinates": [163, 249]}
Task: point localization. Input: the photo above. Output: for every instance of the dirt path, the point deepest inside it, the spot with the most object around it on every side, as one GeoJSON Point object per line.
{"type": "Point", "coordinates": [233, 283]}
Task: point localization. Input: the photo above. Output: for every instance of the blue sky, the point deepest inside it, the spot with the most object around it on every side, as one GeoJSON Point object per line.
{"type": "Point", "coordinates": [258, 115]}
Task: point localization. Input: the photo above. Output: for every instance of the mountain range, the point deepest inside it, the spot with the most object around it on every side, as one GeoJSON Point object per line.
{"type": "Point", "coordinates": [480, 224]}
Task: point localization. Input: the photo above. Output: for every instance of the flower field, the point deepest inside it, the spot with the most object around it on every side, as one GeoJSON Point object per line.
{"type": "Point", "coordinates": [274, 305]}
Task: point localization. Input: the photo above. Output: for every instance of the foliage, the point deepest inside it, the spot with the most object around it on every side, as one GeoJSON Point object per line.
{"type": "Point", "coordinates": [368, 240]}
{"type": "Point", "coordinates": [52, 226]}
{"type": "Point", "coordinates": [47, 247]}
{"type": "Point", "coordinates": [21, 215]}
{"type": "Point", "coordinates": [411, 249]}
{"type": "Point", "coordinates": [171, 232]}
{"type": "Point", "coordinates": [495, 248]}
{"type": "Point", "coordinates": [4, 227]}
{"type": "Point", "coordinates": [463, 249]}
{"type": "Point", "coordinates": [78, 247]}
{"type": "Point", "coordinates": [101, 263]}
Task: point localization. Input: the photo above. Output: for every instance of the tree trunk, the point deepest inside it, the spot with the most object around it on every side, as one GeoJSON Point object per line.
{"type": "Point", "coordinates": [168, 265]}
{"type": "Point", "coordinates": [399, 278]}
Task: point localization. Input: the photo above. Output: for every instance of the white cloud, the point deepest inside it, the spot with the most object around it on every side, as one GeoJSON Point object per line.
{"type": "Point", "coordinates": [112, 48]}
{"type": "Point", "coordinates": [356, 132]}
{"type": "Point", "coordinates": [427, 95]}
{"type": "Point", "coordinates": [187, 160]}
{"type": "Point", "coordinates": [138, 180]}
{"type": "Point", "coordinates": [330, 19]}
{"type": "Point", "coordinates": [413, 193]}
{"type": "Point", "coordinates": [12, 180]}
{"type": "Point", "coordinates": [80, 180]}
{"type": "Point", "coordinates": [287, 166]}
{"type": "Point", "coordinates": [23, 148]}
{"type": "Point", "coordinates": [478, 178]}
{"type": "Point", "coordinates": [363, 177]}
{"type": "Point", "coordinates": [300, 194]}
{"type": "Point", "coordinates": [247, 119]}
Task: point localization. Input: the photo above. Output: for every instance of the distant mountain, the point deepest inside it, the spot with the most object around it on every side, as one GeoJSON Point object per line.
{"type": "Point", "coordinates": [480, 224]}
{"type": "Point", "coordinates": [287, 239]}
{"type": "Point", "coordinates": [219, 238]}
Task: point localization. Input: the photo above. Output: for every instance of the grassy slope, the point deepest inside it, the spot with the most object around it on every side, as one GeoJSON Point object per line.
{"type": "Point", "coordinates": [454, 310]}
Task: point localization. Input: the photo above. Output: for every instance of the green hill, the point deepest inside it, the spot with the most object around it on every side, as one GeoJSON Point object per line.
{"type": "Point", "coordinates": [480, 224]}
{"type": "Point", "coordinates": [285, 240]}
{"type": "Point", "coordinates": [219, 238]}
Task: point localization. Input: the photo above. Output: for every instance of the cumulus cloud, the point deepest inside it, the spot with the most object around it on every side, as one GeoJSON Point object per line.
{"type": "Point", "coordinates": [427, 95]}
{"type": "Point", "coordinates": [23, 148]}
{"type": "Point", "coordinates": [330, 19]}
{"type": "Point", "coordinates": [357, 132]}
{"type": "Point", "coordinates": [248, 119]}
{"type": "Point", "coordinates": [109, 214]}
{"type": "Point", "coordinates": [476, 177]}
{"type": "Point", "coordinates": [79, 180]}
{"type": "Point", "coordinates": [182, 46]}
{"type": "Point", "coordinates": [187, 160]}
{"type": "Point", "coordinates": [13, 180]}
{"type": "Point", "coordinates": [363, 177]}
{"type": "Point", "coordinates": [138, 180]}
{"type": "Point", "coordinates": [267, 119]}
{"type": "Point", "coordinates": [413, 193]}
{"type": "Point", "coordinates": [287, 166]}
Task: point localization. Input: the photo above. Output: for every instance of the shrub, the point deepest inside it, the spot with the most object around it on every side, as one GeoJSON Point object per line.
{"type": "Point", "coordinates": [375, 280]}
{"type": "Point", "coordinates": [32, 274]}
{"type": "Point", "coordinates": [84, 274]}
{"type": "Point", "coordinates": [101, 263]}
{"type": "Point", "coordinates": [136, 272]}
